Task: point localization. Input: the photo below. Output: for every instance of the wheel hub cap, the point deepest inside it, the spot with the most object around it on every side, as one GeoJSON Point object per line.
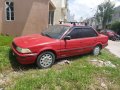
{"type": "Point", "coordinates": [46, 60]}
{"type": "Point", "coordinates": [97, 50]}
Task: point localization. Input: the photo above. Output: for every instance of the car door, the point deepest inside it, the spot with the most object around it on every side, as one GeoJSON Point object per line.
{"type": "Point", "coordinates": [89, 38]}
{"type": "Point", "coordinates": [82, 41]}
{"type": "Point", "coordinates": [72, 47]}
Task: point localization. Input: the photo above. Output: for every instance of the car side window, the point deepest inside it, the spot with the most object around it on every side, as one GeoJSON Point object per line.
{"type": "Point", "coordinates": [76, 33]}
{"type": "Point", "coordinates": [88, 32]}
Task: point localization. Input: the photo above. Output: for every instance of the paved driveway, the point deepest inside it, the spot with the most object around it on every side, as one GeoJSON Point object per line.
{"type": "Point", "coordinates": [114, 47]}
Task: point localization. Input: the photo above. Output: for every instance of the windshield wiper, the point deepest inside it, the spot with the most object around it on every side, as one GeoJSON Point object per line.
{"type": "Point", "coordinates": [42, 34]}
{"type": "Point", "coordinates": [47, 35]}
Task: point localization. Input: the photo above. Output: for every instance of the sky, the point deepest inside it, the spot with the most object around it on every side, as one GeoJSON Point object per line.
{"type": "Point", "coordinates": [86, 8]}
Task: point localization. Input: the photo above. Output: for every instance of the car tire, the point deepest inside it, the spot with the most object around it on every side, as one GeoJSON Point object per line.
{"type": "Point", "coordinates": [114, 38]}
{"type": "Point", "coordinates": [96, 50]}
{"type": "Point", "coordinates": [45, 60]}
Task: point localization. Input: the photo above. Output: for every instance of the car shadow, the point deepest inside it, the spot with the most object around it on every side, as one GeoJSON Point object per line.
{"type": "Point", "coordinates": [18, 67]}
{"type": "Point", "coordinates": [74, 58]}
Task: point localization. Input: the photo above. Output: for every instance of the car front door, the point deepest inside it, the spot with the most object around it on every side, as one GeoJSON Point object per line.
{"type": "Point", "coordinates": [73, 46]}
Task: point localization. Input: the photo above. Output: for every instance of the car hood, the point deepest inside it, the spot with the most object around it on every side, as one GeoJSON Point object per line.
{"type": "Point", "coordinates": [32, 40]}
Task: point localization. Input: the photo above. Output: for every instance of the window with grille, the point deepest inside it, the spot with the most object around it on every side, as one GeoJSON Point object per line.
{"type": "Point", "coordinates": [9, 10]}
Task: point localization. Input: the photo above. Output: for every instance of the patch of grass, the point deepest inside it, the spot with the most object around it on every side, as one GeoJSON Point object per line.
{"type": "Point", "coordinates": [106, 55]}
{"type": "Point", "coordinates": [112, 75]}
{"type": "Point", "coordinates": [5, 52]}
{"type": "Point", "coordinates": [5, 40]}
{"type": "Point", "coordinates": [76, 76]}
{"type": "Point", "coordinates": [6, 58]}
{"type": "Point", "coordinates": [79, 76]}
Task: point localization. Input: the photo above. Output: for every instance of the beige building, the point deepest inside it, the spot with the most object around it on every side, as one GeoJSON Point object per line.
{"type": "Point", "coordinates": [60, 13]}
{"type": "Point", "coordinates": [23, 17]}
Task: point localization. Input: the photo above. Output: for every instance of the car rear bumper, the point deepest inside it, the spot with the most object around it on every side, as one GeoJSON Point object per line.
{"type": "Point", "coordinates": [104, 45]}
{"type": "Point", "coordinates": [24, 58]}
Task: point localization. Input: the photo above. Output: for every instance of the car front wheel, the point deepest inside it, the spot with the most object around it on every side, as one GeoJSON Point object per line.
{"type": "Point", "coordinates": [96, 50]}
{"type": "Point", "coordinates": [45, 60]}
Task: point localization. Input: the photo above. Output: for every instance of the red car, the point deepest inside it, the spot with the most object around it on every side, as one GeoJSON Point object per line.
{"type": "Point", "coordinates": [111, 34]}
{"type": "Point", "coordinates": [57, 42]}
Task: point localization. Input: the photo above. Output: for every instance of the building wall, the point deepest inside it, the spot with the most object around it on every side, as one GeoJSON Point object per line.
{"type": "Point", "coordinates": [1, 9]}
{"type": "Point", "coordinates": [31, 16]}
{"type": "Point", "coordinates": [61, 10]}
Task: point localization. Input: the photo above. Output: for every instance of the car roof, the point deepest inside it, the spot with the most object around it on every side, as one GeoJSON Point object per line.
{"type": "Point", "coordinates": [108, 30]}
{"type": "Point", "coordinates": [77, 25]}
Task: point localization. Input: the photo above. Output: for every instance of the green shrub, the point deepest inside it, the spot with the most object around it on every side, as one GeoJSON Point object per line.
{"type": "Point", "coordinates": [116, 27]}
{"type": "Point", "coordinates": [5, 40]}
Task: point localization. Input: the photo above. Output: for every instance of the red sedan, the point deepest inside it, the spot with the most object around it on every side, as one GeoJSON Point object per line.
{"type": "Point", "coordinates": [57, 41]}
{"type": "Point", "coordinates": [111, 34]}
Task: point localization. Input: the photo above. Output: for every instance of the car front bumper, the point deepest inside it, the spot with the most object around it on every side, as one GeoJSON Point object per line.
{"type": "Point", "coordinates": [24, 58]}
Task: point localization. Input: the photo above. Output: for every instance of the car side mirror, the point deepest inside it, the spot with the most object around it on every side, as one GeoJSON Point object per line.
{"type": "Point", "coordinates": [67, 37]}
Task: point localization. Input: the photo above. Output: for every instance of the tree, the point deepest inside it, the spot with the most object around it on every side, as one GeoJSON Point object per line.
{"type": "Point", "coordinates": [104, 13]}
{"type": "Point", "coordinates": [116, 27]}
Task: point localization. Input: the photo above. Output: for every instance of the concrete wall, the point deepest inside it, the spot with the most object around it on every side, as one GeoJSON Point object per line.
{"type": "Point", "coordinates": [57, 13]}
{"type": "Point", "coordinates": [31, 16]}
{"type": "Point", "coordinates": [60, 13]}
{"type": "Point", "coordinates": [1, 10]}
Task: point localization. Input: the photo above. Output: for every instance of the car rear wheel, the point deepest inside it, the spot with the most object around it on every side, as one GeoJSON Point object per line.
{"type": "Point", "coordinates": [45, 60]}
{"type": "Point", "coordinates": [114, 38]}
{"type": "Point", "coordinates": [96, 50]}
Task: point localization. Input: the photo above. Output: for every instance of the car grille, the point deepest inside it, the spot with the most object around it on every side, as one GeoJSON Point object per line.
{"type": "Point", "coordinates": [14, 45]}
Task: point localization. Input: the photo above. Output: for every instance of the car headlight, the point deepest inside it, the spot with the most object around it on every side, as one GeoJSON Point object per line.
{"type": "Point", "coordinates": [23, 50]}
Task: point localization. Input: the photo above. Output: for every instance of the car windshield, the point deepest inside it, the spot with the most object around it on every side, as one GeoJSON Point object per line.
{"type": "Point", "coordinates": [55, 31]}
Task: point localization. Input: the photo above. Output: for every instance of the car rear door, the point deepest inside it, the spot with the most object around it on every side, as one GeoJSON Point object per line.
{"type": "Point", "coordinates": [89, 39]}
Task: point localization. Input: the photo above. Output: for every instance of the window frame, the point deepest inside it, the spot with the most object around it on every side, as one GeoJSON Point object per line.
{"type": "Point", "coordinates": [92, 30]}
{"type": "Point", "coordinates": [9, 12]}
{"type": "Point", "coordinates": [51, 18]}
{"type": "Point", "coordinates": [81, 28]}
{"type": "Point", "coordinates": [72, 30]}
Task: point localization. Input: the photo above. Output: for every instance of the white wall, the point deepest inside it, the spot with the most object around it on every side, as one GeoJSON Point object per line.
{"type": "Point", "coordinates": [60, 12]}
